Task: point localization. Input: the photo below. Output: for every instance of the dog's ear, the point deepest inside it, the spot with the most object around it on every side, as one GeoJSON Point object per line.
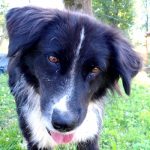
{"type": "Point", "coordinates": [24, 26]}
{"type": "Point", "coordinates": [125, 61]}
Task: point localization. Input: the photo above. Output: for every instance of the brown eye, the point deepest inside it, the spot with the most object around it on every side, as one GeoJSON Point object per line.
{"type": "Point", "coordinates": [53, 59]}
{"type": "Point", "coordinates": [95, 70]}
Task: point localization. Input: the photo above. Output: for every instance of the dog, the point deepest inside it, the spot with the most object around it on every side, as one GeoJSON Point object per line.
{"type": "Point", "coordinates": [61, 65]}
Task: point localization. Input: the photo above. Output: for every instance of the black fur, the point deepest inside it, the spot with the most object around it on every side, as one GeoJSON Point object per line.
{"type": "Point", "coordinates": [36, 33]}
{"type": "Point", "coordinates": [89, 145]}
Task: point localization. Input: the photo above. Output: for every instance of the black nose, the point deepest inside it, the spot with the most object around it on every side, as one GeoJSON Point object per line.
{"type": "Point", "coordinates": [63, 122]}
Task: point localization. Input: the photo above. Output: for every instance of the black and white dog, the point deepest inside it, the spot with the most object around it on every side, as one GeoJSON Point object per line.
{"type": "Point", "coordinates": [61, 65]}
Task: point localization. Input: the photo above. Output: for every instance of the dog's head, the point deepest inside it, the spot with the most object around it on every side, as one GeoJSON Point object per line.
{"type": "Point", "coordinates": [69, 59]}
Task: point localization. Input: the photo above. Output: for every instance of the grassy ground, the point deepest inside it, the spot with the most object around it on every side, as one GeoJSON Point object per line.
{"type": "Point", "coordinates": [126, 123]}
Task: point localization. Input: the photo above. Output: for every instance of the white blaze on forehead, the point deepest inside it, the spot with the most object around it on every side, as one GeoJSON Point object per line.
{"type": "Point", "coordinates": [72, 81]}
{"type": "Point", "coordinates": [62, 103]}
{"type": "Point", "coordinates": [77, 51]}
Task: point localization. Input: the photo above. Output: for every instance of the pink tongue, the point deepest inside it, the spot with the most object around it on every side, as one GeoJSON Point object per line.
{"type": "Point", "coordinates": [61, 138]}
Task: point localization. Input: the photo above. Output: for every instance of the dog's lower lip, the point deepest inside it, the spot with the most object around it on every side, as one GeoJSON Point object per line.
{"type": "Point", "coordinates": [61, 138]}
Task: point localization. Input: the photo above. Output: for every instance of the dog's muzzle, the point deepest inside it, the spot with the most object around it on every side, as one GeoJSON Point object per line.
{"type": "Point", "coordinates": [63, 123]}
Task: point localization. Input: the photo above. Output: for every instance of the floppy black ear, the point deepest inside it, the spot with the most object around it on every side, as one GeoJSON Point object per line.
{"type": "Point", "coordinates": [126, 61]}
{"type": "Point", "coordinates": [24, 26]}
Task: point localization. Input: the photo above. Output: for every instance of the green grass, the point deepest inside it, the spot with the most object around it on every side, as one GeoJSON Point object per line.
{"type": "Point", "coordinates": [10, 137]}
{"type": "Point", "coordinates": [126, 120]}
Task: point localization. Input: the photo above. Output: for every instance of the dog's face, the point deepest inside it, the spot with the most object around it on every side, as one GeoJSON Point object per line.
{"type": "Point", "coordinates": [70, 61]}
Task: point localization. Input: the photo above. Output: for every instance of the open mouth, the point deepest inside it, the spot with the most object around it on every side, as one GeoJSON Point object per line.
{"type": "Point", "coordinates": [61, 138]}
